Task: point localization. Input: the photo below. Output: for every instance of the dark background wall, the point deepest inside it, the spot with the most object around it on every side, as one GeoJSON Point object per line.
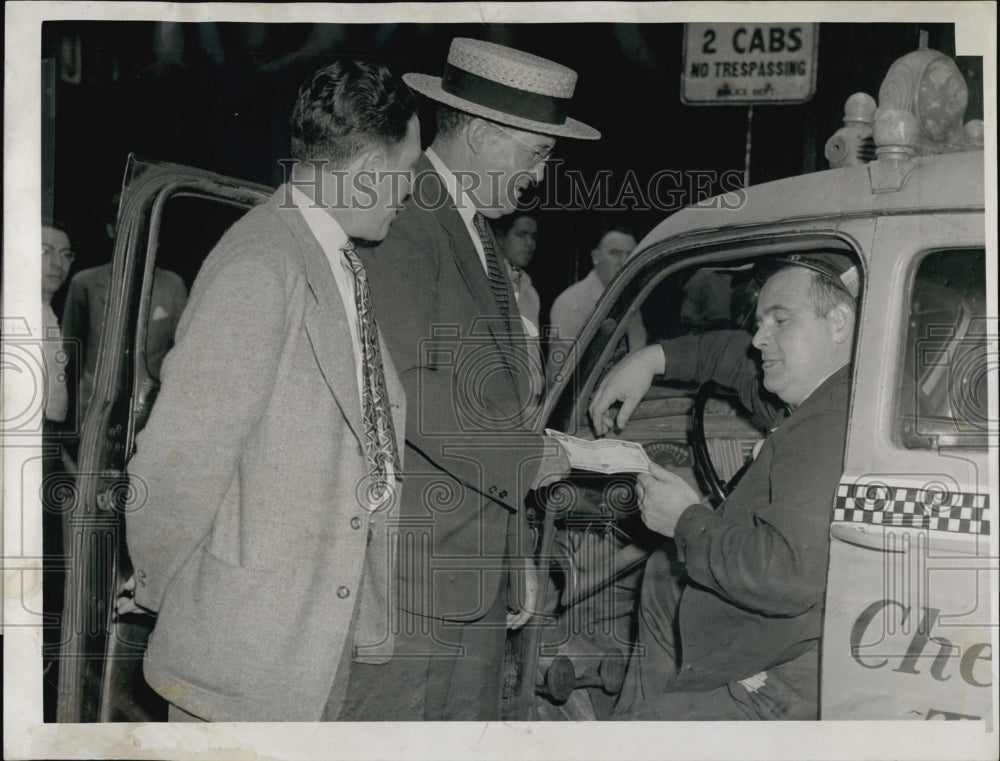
{"type": "Point", "coordinates": [218, 96]}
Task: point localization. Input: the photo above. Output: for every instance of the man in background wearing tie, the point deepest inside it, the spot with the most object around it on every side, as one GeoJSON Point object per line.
{"type": "Point", "coordinates": [451, 321]}
{"type": "Point", "coordinates": [271, 457]}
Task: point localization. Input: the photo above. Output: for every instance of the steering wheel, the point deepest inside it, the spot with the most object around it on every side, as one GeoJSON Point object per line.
{"type": "Point", "coordinates": [702, 461]}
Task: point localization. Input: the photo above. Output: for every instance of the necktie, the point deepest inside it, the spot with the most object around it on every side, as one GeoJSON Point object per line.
{"type": "Point", "coordinates": [380, 447]}
{"type": "Point", "coordinates": [501, 290]}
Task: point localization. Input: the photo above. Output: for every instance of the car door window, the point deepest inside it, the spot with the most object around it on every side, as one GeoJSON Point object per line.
{"type": "Point", "coordinates": [943, 395]}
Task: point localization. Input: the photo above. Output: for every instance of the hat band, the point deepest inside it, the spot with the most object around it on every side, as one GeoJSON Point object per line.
{"type": "Point", "coordinates": [547, 109]}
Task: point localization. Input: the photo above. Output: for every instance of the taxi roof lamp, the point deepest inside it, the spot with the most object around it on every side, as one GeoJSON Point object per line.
{"type": "Point", "coordinates": [921, 105]}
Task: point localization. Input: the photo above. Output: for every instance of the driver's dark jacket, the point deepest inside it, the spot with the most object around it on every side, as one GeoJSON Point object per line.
{"type": "Point", "coordinates": [758, 565]}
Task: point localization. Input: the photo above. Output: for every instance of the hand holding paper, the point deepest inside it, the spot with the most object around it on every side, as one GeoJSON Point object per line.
{"type": "Point", "coordinates": [604, 455]}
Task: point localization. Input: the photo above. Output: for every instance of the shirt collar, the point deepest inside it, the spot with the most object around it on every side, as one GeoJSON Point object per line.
{"type": "Point", "coordinates": [464, 203]}
{"type": "Point", "coordinates": [324, 228]}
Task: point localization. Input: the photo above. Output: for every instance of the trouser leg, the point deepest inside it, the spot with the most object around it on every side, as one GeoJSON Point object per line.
{"type": "Point", "coordinates": [469, 686]}
{"type": "Point", "coordinates": [440, 671]}
{"type": "Point", "coordinates": [786, 692]}
{"type": "Point", "coordinates": [653, 662]}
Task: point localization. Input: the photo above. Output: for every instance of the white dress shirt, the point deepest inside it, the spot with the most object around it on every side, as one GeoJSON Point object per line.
{"type": "Point", "coordinates": [463, 202]}
{"type": "Point", "coordinates": [332, 239]}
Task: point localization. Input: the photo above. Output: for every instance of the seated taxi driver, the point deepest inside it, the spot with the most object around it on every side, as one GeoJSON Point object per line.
{"type": "Point", "coordinates": [730, 613]}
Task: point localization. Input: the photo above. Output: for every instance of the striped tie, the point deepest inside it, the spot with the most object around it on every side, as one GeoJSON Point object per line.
{"type": "Point", "coordinates": [380, 447]}
{"type": "Point", "coordinates": [501, 289]}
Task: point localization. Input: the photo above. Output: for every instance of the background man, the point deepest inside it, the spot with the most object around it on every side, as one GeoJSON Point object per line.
{"type": "Point", "coordinates": [83, 322]}
{"type": "Point", "coordinates": [270, 457]}
{"type": "Point", "coordinates": [455, 332]}
{"type": "Point", "coordinates": [739, 639]}
{"type": "Point", "coordinates": [57, 258]}
{"type": "Point", "coordinates": [517, 235]}
{"type": "Point", "coordinates": [573, 307]}
{"type": "Point", "coordinates": [83, 319]}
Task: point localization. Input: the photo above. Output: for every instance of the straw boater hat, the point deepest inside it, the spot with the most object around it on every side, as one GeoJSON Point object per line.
{"type": "Point", "coordinates": [507, 86]}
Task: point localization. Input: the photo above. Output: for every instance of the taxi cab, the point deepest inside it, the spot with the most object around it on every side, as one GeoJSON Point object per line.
{"type": "Point", "coordinates": [909, 609]}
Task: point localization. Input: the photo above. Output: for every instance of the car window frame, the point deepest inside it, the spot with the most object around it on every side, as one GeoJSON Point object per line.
{"type": "Point", "coordinates": [958, 441]}
{"type": "Point", "coordinates": [566, 400]}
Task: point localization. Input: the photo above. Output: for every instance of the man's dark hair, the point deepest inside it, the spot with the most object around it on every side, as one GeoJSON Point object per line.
{"type": "Point", "coordinates": [450, 120]}
{"type": "Point", "coordinates": [57, 223]}
{"type": "Point", "coordinates": [623, 229]}
{"type": "Point", "coordinates": [502, 225]}
{"type": "Point", "coordinates": [348, 107]}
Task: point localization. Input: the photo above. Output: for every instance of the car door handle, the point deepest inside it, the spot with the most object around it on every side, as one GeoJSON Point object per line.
{"type": "Point", "coordinates": [860, 536]}
{"type": "Point", "coordinates": [872, 537]}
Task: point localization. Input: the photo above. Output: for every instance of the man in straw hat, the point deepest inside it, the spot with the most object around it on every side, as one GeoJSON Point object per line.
{"type": "Point", "coordinates": [447, 309]}
{"type": "Point", "coordinates": [738, 637]}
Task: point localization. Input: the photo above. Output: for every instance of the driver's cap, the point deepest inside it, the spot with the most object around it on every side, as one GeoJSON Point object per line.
{"type": "Point", "coordinates": [839, 268]}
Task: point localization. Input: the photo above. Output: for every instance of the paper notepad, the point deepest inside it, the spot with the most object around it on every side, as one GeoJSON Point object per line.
{"type": "Point", "coordinates": [603, 455]}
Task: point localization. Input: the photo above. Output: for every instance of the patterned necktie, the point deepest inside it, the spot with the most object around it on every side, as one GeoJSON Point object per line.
{"type": "Point", "coordinates": [380, 433]}
{"type": "Point", "coordinates": [501, 290]}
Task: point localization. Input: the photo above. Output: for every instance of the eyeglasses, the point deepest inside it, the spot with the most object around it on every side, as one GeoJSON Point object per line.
{"type": "Point", "coordinates": [541, 154]}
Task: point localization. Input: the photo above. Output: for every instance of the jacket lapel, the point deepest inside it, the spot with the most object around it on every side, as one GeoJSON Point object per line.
{"type": "Point", "coordinates": [432, 188]}
{"type": "Point", "coordinates": [505, 333]}
{"type": "Point", "coordinates": [326, 322]}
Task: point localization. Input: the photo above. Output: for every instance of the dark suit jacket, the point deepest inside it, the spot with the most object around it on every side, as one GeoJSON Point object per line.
{"type": "Point", "coordinates": [83, 324]}
{"type": "Point", "coordinates": [254, 539]}
{"type": "Point", "coordinates": [465, 371]}
{"type": "Point", "coordinates": [758, 566]}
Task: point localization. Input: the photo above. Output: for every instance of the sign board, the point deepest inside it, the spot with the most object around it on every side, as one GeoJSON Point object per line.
{"type": "Point", "coordinates": [741, 64]}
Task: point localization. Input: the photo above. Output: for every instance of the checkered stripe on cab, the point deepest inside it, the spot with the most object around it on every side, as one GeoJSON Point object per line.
{"type": "Point", "coordinates": [934, 509]}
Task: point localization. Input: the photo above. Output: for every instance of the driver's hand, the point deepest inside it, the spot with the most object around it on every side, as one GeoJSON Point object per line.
{"type": "Point", "coordinates": [627, 382]}
{"type": "Point", "coordinates": [663, 497]}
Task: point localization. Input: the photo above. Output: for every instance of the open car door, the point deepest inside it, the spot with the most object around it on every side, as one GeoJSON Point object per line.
{"type": "Point", "coordinates": [170, 216]}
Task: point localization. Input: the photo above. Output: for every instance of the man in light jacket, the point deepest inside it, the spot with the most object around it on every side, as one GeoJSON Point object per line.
{"type": "Point", "coordinates": [271, 460]}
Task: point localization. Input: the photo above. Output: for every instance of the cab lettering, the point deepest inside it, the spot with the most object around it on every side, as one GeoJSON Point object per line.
{"type": "Point", "coordinates": [940, 649]}
{"type": "Point", "coordinates": [752, 41]}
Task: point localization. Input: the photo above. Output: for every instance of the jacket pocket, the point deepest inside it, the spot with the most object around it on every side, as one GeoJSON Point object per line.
{"type": "Point", "coordinates": [220, 627]}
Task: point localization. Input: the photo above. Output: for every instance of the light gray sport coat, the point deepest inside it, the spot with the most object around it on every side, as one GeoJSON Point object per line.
{"type": "Point", "coordinates": [255, 536]}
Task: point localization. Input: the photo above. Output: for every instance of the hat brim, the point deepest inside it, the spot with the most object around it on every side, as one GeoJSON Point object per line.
{"type": "Point", "coordinates": [430, 86]}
